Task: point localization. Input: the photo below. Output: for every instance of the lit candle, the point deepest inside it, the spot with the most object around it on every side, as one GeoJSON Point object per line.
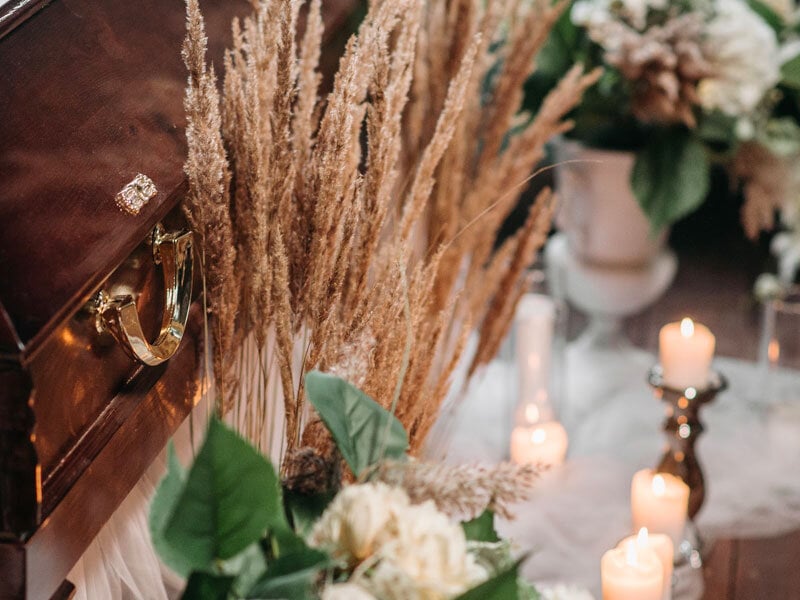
{"type": "Point", "coordinates": [662, 545]}
{"type": "Point", "coordinates": [686, 350]}
{"type": "Point", "coordinates": [629, 572]}
{"type": "Point", "coordinates": [535, 319]}
{"type": "Point", "coordinates": [541, 443]}
{"type": "Point", "coordinates": [659, 501]}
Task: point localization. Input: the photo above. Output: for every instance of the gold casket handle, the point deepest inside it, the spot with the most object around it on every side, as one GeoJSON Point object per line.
{"type": "Point", "coordinates": [119, 314]}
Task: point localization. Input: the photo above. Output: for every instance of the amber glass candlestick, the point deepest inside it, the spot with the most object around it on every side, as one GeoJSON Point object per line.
{"type": "Point", "coordinates": [682, 427]}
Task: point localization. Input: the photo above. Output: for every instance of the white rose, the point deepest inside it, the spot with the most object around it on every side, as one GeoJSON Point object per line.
{"type": "Point", "coordinates": [346, 591]}
{"type": "Point", "coordinates": [430, 553]}
{"type": "Point", "coordinates": [359, 520]}
{"type": "Point", "coordinates": [745, 59]}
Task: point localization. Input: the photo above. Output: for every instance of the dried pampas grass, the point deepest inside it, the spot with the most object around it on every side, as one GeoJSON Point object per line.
{"type": "Point", "coordinates": [354, 233]}
{"type": "Point", "coordinates": [463, 491]}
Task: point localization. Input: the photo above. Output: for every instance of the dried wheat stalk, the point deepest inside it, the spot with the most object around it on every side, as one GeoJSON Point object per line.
{"type": "Point", "coordinates": [371, 258]}
{"type": "Point", "coordinates": [463, 491]}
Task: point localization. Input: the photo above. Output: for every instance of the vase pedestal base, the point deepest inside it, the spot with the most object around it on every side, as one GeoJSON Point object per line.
{"type": "Point", "coordinates": [607, 294]}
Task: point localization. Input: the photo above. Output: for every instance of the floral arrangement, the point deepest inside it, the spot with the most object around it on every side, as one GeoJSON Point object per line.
{"type": "Point", "coordinates": [237, 531]}
{"type": "Point", "coordinates": [686, 84]}
{"type": "Point", "coordinates": [354, 232]}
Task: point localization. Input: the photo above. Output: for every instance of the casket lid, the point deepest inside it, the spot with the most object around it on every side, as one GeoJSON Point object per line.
{"type": "Point", "coordinates": [90, 95]}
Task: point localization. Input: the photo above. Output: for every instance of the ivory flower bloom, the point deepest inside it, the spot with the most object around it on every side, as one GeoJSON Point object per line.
{"type": "Point", "coordinates": [346, 591]}
{"type": "Point", "coordinates": [359, 520]}
{"type": "Point", "coordinates": [744, 55]}
{"type": "Point", "coordinates": [404, 551]}
{"type": "Point", "coordinates": [430, 553]}
{"type": "Point", "coordinates": [596, 13]}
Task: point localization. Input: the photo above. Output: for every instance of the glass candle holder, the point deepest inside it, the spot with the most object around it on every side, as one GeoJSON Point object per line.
{"type": "Point", "coordinates": [779, 350]}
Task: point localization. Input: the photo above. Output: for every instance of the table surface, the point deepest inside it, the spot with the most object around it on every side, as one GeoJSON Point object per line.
{"type": "Point", "coordinates": [713, 285]}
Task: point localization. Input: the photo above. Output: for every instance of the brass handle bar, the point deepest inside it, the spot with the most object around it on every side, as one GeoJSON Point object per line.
{"type": "Point", "coordinates": [119, 314]}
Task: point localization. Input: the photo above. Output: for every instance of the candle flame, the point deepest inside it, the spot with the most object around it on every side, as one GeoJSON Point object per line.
{"type": "Point", "coordinates": [773, 351]}
{"type": "Point", "coordinates": [687, 327]}
{"type": "Point", "coordinates": [659, 485]}
{"type": "Point", "coordinates": [631, 553]}
{"type": "Point", "coordinates": [531, 413]}
{"type": "Point", "coordinates": [642, 538]}
{"type": "Point", "coordinates": [538, 436]}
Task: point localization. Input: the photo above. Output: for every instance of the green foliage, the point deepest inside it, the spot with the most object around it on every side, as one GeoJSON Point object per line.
{"type": "Point", "coordinates": [230, 497]}
{"type": "Point", "coordinates": [357, 423]}
{"type": "Point", "coordinates": [790, 73]}
{"type": "Point", "coordinates": [305, 509]}
{"type": "Point", "coordinates": [161, 510]}
{"type": "Point", "coordinates": [502, 586]}
{"type": "Point", "coordinates": [206, 586]}
{"type": "Point", "coordinates": [670, 178]}
{"type": "Point", "coordinates": [481, 528]}
{"type": "Point", "coordinates": [224, 523]}
{"type": "Point", "coordinates": [291, 576]}
{"type": "Point", "coordinates": [769, 16]}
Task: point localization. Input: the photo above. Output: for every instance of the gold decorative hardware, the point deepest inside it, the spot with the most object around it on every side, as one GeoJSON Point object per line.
{"type": "Point", "coordinates": [136, 194]}
{"type": "Point", "coordinates": [119, 315]}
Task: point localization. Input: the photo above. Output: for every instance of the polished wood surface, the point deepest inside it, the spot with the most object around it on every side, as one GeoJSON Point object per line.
{"type": "Point", "coordinates": [758, 569]}
{"type": "Point", "coordinates": [92, 95]}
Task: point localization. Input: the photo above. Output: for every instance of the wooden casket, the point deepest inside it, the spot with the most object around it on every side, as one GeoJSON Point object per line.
{"type": "Point", "coordinates": [100, 335]}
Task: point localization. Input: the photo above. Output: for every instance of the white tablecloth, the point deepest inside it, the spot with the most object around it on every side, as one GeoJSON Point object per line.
{"type": "Point", "coordinates": [750, 453]}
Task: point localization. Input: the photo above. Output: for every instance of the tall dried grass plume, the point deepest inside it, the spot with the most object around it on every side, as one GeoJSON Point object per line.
{"type": "Point", "coordinates": [354, 233]}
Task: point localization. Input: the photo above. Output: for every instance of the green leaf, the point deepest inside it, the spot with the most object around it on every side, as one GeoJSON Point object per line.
{"type": "Point", "coordinates": [357, 423]}
{"type": "Point", "coordinates": [291, 576]}
{"type": "Point", "coordinates": [790, 72]}
{"type": "Point", "coordinates": [282, 541]}
{"type": "Point", "coordinates": [670, 177]}
{"type": "Point", "coordinates": [162, 508]}
{"type": "Point", "coordinates": [481, 528]}
{"type": "Point", "coordinates": [305, 509]}
{"type": "Point", "coordinates": [231, 496]}
{"type": "Point", "coordinates": [206, 586]}
{"type": "Point", "coordinates": [769, 16]}
{"type": "Point", "coordinates": [247, 567]}
{"type": "Point", "coordinates": [500, 587]}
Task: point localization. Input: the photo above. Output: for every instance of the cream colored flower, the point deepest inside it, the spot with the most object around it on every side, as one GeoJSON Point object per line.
{"type": "Point", "coordinates": [595, 14]}
{"type": "Point", "coordinates": [346, 591]}
{"type": "Point", "coordinates": [745, 59]}
{"type": "Point", "coordinates": [429, 555]}
{"type": "Point", "coordinates": [359, 520]}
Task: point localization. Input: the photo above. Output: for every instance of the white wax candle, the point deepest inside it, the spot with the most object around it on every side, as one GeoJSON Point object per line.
{"type": "Point", "coordinates": [662, 545]}
{"type": "Point", "coordinates": [659, 501]}
{"type": "Point", "coordinates": [542, 443]}
{"type": "Point", "coordinates": [686, 350]}
{"type": "Point", "coordinates": [535, 319]}
{"type": "Point", "coordinates": [631, 573]}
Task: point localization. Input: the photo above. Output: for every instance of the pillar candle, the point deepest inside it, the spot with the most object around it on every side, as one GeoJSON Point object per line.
{"type": "Point", "coordinates": [659, 501]}
{"type": "Point", "coordinates": [541, 443]}
{"type": "Point", "coordinates": [631, 573]}
{"type": "Point", "coordinates": [535, 321]}
{"type": "Point", "coordinates": [685, 351]}
{"type": "Point", "coordinates": [662, 545]}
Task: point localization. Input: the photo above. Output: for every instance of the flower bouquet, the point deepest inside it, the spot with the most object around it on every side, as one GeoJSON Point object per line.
{"type": "Point", "coordinates": [237, 531]}
{"type": "Point", "coordinates": [685, 84]}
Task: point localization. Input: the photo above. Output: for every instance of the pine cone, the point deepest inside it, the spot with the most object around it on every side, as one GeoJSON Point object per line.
{"type": "Point", "coordinates": [664, 64]}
